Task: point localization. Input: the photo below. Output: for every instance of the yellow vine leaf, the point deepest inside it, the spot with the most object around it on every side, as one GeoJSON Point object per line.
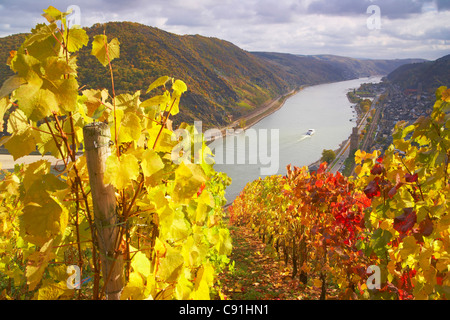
{"type": "Point", "coordinates": [52, 14]}
{"type": "Point", "coordinates": [44, 220]}
{"type": "Point", "coordinates": [170, 266]}
{"type": "Point", "coordinates": [165, 142]}
{"type": "Point", "coordinates": [95, 102]}
{"type": "Point", "coordinates": [179, 87]}
{"type": "Point", "coordinates": [151, 105]}
{"type": "Point", "coordinates": [409, 247]}
{"type": "Point", "coordinates": [128, 102]}
{"type": "Point", "coordinates": [151, 163]}
{"type": "Point", "coordinates": [35, 171]}
{"type": "Point", "coordinates": [104, 51]}
{"type": "Point", "coordinates": [18, 122]}
{"type": "Point", "coordinates": [203, 281]}
{"type": "Point", "coordinates": [37, 263]}
{"type": "Point", "coordinates": [21, 144]}
{"type": "Point", "coordinates": [161, 81]}
{"type": "Point", "coordinates": [51, 290]}
{"type": "Point", "coordinates": [37, 103]}
{"type": "Point", "coordinates": [130, 128]}
{"type": "Point", "coordinates": [25, 66]}
{"type": "Point", "coordinates": [359, 156]}
{"type": "Point", "coordinates": [188, 179]}
{"type": "Point", "coordinates": [140, 263]}
{"type": "Point", "coordinates": [446, 95]}
{"type": "Point", "coordinates": [184, 288]}
{"type": "Point", "coordinates": [160, 248]}
{"type": "Point", "coordinates": [56, 67]}
{"type": "Point", "coordinates": [119, 173]}
{"type": "Point", "coordinates": [224, 246]}
{"type": "Point", "coordinates": [77, 38]}
{"type": "Point", "coordinates": [11, 84]}
{"type": "Point", "coordinates": [134, 288]}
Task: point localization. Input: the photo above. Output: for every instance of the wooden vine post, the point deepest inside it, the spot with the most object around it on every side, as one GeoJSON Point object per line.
{"type": "Point", "coordinates": [97, 149]}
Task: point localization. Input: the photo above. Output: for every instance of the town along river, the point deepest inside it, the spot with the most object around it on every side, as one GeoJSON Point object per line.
{"type": "Point", "coordinates": [280, 139]}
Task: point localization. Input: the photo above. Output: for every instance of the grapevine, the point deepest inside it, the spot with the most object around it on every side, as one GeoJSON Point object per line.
{"type": "Point", "coordinates": [169, 216]}
{"type": "Point", "coordinates": [315, 219]}
{"type": "Point", "coordinates": [393, 215]}
{"type": "Point", "coordinates": [409, 221]}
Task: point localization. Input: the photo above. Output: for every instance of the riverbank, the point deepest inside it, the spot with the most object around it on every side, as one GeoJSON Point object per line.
{"type": "Point", "coordinates": [257, 115]}
{"type": "Point", "coordinates": [269, 108]}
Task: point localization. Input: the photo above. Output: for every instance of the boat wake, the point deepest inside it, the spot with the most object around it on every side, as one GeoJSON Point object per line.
{"type": "Point", "coordinates": [303, 137]}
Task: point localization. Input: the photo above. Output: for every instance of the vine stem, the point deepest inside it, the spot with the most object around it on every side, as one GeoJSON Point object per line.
{"type": "Point", "coordinates": [113, 99]}
{"type": "Point", "coordinates": [77, 204]}
{"type": "Point", "coordinates": [164, 123]}
{"type": "Point", "coordinates": [56, 142]}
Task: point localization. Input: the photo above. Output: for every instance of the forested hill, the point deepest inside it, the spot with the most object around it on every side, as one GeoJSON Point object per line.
{"type": "Point", "coordinates": [356, 68]}
{"type": "Point", "coordinates": [316, 68]}
{"type": "Point", "coordinates": [429, 75]}
{"type": "Point", "coordinates": [224, 81]}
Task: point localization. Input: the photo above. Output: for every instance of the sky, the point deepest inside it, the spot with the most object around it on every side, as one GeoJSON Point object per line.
{"type": "Point", "coordinates": [375, 29]}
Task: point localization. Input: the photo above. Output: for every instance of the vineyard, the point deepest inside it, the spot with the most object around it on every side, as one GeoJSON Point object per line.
{"type": "Point", "coordinates": [382, 235]}
{"type": "Point", "coordinates": [127, 215]}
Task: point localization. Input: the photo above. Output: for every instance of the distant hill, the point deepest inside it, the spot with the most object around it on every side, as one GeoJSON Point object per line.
{"type": "Point", "coordinates": [336, 68]}
{"type": "Point", "coordinates": [303, 70]}
{"type": "Point", "coordinates": [429, 75]}
{"type": "Point", "coordinates": [356, 68]}
{"type": "Point", "coordinates": [224, 82]}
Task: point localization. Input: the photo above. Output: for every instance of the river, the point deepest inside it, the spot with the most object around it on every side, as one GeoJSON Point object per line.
{"type": "Point", "coordinates": [280, 139]}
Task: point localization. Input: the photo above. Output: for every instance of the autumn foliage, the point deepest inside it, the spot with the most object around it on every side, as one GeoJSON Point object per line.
{"type": "Point", "coordinates": [314, 220]}
{"type": "Point", "coordinates": [394, 214]}
{"type": "Point", "coordinates": [169, 216]}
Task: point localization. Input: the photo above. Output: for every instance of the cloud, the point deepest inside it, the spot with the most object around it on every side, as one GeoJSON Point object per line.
{"type": "Point", "coordinates": [443, 4]}
{"type": "Point", "coordinates": [409, 28]}
{"type": "Point", "coordinates": [392, 9]}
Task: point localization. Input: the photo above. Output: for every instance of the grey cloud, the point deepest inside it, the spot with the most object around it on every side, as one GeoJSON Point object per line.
{"type": "Point", "coordinates": [392, 9]}
{"type": "Point", "coordinates": [443, 4]}
{"type": "Point", "coordinates": [342, 7]}
{"type": "Point", "coordinates": [188, 18]}
{"type": "Point", "coordinates": [276, 25]}
{"type": "Point", "coordinates": [274, 11]}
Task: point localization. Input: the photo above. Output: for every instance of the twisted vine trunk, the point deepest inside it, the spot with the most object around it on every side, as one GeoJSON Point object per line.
{"type": "Point", "coordinates": [96, 138]}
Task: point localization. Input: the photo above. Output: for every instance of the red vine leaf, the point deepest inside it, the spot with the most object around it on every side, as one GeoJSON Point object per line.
{"type": "Point", "coordinates": [426, 227]}
{"type": "Point", "coordinates": [377, 169]}
{"type": "Point", "coordinates": [411, 177]}
{"type": "Point", "coordinates": [372, 189]}
{"type": "Point", "coordinates": [406, 221]}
